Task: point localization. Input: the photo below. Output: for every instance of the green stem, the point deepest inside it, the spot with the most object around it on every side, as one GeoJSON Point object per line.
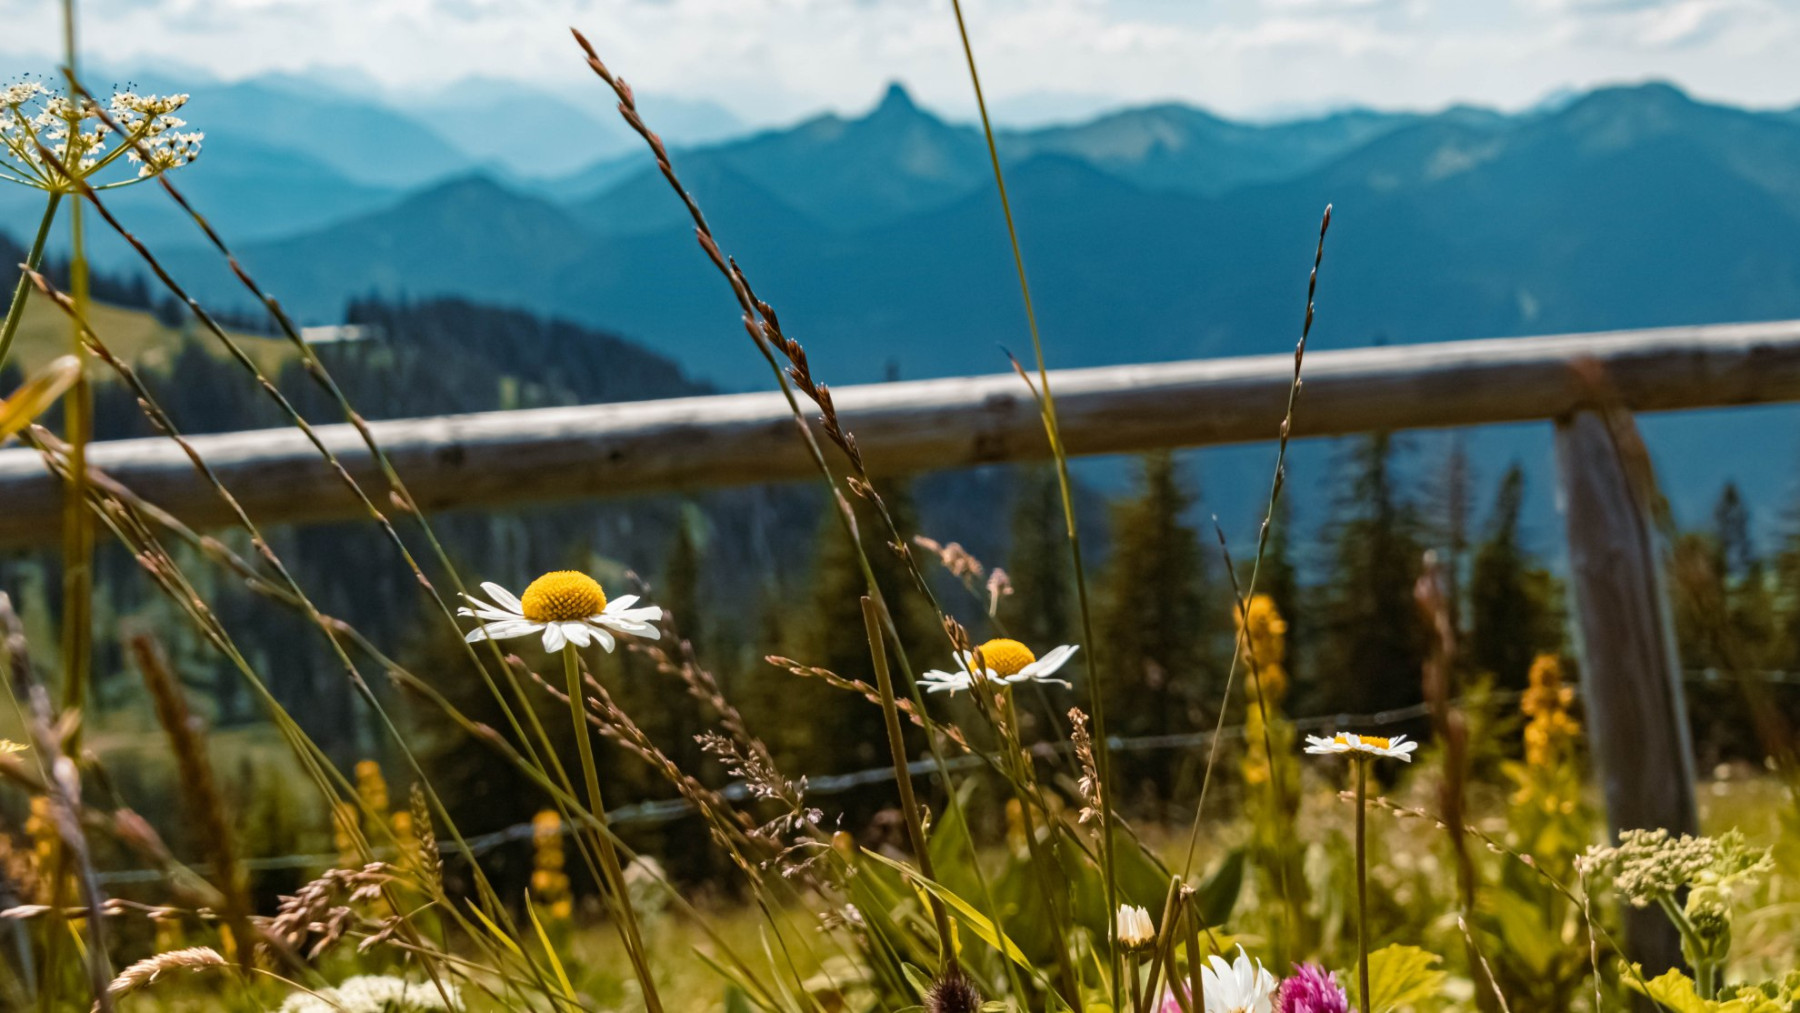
{"type": "Point", "coordinates": [909, 805]}
{"type": "Point", "coordinates": [609, 856]}
{"type": "Point", "coordinates": [1362, 882]}
{"type": "Point", "coordinates": [15, 313]}
{"type": "Point", "coordinates": [1196, 981]}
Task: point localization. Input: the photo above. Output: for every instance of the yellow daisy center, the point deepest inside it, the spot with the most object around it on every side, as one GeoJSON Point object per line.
{"type": "Point", "coordinates": [1006, 657]}
{"type": "Point", "coordinates": [562, 596]}
{"type": "Point", "coordinates": [1372, 741]}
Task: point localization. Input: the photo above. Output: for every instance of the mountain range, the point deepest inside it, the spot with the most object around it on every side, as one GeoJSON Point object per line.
{"type": "Point", "coordinates": [1154, 233]}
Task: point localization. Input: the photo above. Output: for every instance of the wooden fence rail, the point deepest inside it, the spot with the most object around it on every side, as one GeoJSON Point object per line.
{"type": "Point", "coordinates": [500, 458]}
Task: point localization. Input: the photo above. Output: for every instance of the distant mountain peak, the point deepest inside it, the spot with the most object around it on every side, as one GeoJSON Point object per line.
{"type": "Point", "coordinates": [896, 99]}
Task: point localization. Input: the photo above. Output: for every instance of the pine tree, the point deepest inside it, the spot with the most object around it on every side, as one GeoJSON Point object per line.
{"type": "Point", "coordinates": [1374, 642]}
{"type": "Point", "coordinates": [843, 731]}
{"type": "Point", "coordinates": [1040, 611]}
{"type": "Point", "coordinates": [689, 851]}
{"type": "Point", "coordinates": [1512, 611]}
{"type": "Point", "coordinates": [1152, 622]}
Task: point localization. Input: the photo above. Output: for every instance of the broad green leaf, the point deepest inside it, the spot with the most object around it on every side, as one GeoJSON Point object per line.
{"type": "Point", "coordinates": [1399, 975]}
{"type": "Point", "coordinates": [1671, 989]}
{"type": "Point", "coordinates": [1219, 893]}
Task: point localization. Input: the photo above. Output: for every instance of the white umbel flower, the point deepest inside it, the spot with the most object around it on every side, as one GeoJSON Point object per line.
{"type": "Point", "coordinates": [1241, 986]}
{"type": "Point", "coordinates": [1135, 928]}
{"type": "Point", "coordinates": [1000, 660]}
{"type": "Point", "coordinates": [565, 607]}
{"type": "Point", "coordinates": [376, 993]}
{"type": "Point", "coordinates": [1349, 742]}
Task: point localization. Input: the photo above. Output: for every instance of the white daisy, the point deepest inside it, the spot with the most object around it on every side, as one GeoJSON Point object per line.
{"type": "Point", "coordinates": [1135, 928]}
{"type": "Point", "coordinates": [1001, 661]}
{"type": "Point", "coordinates": [1241, 986]}
{"type": "Point", "coordinates": [1350, 742]}
{"type": "Point", "coordinates": [567, 607]}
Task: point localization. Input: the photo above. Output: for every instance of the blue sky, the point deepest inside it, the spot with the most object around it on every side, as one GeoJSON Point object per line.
{"type": "Point", "coordinates": [773, 60]}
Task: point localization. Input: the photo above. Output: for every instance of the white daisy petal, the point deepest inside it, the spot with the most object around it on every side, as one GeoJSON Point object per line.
{"type": "Point", "coordinates": [621, 603]}
{"type": "Point", "coordinates": [1054, 659]}
{"type": "Point", "coordinates": [578, 633]}
{"type": "Point", "coordinates": [502, 597]}
{"type": "Point", "coordinates": [553, 637]}
{"type": "Point", "coordinates": [605, 638]}
{"type": "Point", "coordinates": [935, 681]}
{"type": "Point", "coordinates": [647, 614]}
{"type": "Point", "coordinates": [503, 630]}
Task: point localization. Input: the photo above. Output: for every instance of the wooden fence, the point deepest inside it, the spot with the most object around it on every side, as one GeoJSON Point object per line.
{"type": "Point", "coordinates": [1585, 383]}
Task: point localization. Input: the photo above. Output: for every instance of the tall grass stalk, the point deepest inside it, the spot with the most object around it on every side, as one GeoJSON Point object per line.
{"type": "Point", "coordinates": [15, 311]}
{"type": "Point", "coordinates": [1276, 483]}
{"type": "Point", "coordinates": [315, 368]}
{"type": "Point", "coordinates": [78, 424]}
{"type": "Point", "coordinates": [763, 327]}
{"type": "Point", "coordinates": [1096, 694]}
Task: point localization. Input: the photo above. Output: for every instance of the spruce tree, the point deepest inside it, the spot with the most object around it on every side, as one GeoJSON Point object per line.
{"type": "Point", "coordinates": [842, 730]}
{"type": "Point", "coordinates": [1152, 622]}
{"type": "Point", "coordinates": [1511, 608]}
{"type": "Point", "coordinates": [1373, 639]}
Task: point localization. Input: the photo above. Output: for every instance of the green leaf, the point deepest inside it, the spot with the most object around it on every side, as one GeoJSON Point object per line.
{"type": "Point", "coordinates": [1219, 894]}
{"type": "Point", "coordinates": [1671, 989]}
{"type": "Point", "coordinates": [37, 395]}
{"type": "Point", "coordinates": [1399, 975]}
{"type": "Point", "coordinates": [920, 981]}
{"type": "Point", "coordinates": [562, 976]}
{"type": "Point", "coordinates": [736, 1001]}
{"type": "Point", "coordinates": [977, 922]}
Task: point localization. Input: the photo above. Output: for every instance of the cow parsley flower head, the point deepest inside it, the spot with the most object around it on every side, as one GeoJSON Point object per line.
{"type": "Point", "coordinates": [1651, 865]}
{"type": "Point", "coordinates": [80, 141]}
{"type": "Point", "coordinates": [565, 607]}
{"type": "Point", "coordinates": [376, 993]}
{"type": "Point", "coordinates": [1000, 660]}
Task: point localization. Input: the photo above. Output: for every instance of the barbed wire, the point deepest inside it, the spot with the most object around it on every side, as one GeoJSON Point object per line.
{"type": "Point", "coordinates": [652, 812]}
{"type": "Point", "coordinates": [655, 811]}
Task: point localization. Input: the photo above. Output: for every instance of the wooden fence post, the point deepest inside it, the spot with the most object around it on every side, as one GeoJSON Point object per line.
{"type": "Point", "coordinates": [1630, 671]}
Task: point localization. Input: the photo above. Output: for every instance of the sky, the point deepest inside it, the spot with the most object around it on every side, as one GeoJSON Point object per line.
{"type": "Point", "coordinates": [771, 61]}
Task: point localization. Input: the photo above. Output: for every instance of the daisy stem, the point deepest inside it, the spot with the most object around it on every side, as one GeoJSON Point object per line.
{"type": "Point", "coordinates": [15, 312]}
{"type": "Point", "coordinates": [609, 856]}
{"type": "Point", "coordinates": [1362, 881]}
{"type": "Point", "coordinates": [1137, 986]}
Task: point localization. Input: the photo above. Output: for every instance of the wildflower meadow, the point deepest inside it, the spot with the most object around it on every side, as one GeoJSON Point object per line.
{"type": "Point", "coordinates": [412, 760]}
